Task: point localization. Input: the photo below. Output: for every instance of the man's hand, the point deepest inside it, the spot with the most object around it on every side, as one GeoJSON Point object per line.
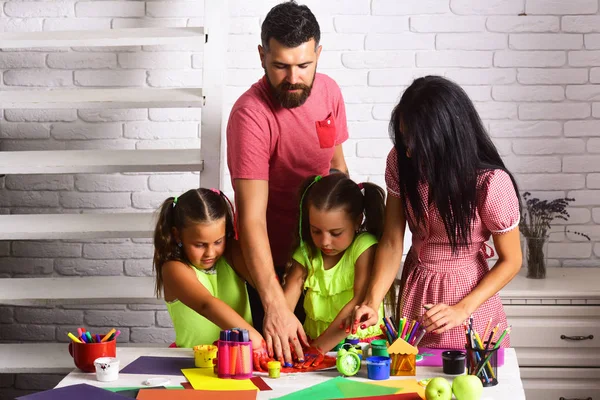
{"type": "Point", "coordinates": [280, 329]}
{"type": "Point", "coordinates": [313, 357]}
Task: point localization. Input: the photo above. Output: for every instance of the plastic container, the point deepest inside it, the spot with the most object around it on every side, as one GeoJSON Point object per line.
{"type": "Point", "coordinates": [274, 369]}
{"type": "Point", "coordinates": [379, 348]}
{"type": "Point", "coordinates": [204, 355]}
{"type": "Point", "coordinates": [484, 365]}
{"type": "Point", "coordinates": [107, 369]}
{"type": "Point", "coordinates": [351, 340]}
{"type": "Point", "coordinates": [453, 362]}
{"type": "Point", "coordinates": [378, 368]}
{"type": "Point", "coordinates": [235, 356]}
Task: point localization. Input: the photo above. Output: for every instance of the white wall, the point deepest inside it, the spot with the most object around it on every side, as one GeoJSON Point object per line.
{"type": "Point", "coordinates": [531, 66]}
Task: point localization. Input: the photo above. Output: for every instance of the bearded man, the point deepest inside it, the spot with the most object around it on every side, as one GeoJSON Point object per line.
{"type": "Point", "coordinates": [288, 126]}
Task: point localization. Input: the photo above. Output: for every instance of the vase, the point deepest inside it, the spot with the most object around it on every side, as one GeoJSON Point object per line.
{"type": "Point", "coordinates": [534, 256]}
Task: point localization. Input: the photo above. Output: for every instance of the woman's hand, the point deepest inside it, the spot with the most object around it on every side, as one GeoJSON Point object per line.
{"type": "Point", "coordinates": [441, 317]}
{"type": "Point", "coordinates": [362, 316]}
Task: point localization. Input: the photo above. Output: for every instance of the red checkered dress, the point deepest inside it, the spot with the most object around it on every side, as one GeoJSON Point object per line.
{"type": "Point", "coordinates": [434, 275]}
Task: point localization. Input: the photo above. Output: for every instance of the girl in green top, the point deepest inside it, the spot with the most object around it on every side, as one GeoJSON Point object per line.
{"type": "Point", "coordinates": [340, 223]}
{"type": "Point", "coordinates": [194, 254]}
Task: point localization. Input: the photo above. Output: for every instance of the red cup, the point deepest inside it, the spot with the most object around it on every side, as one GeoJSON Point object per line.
{"type": "Point", "coordinates": [84, 354]}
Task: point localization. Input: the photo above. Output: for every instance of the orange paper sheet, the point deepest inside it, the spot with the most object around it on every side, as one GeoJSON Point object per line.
{"type": "Point", "coordinates": [166, 394]}
{"type": "Point", "coordinates": [205, 378]}
{"type": "Point", "coordinates": [406, 386]}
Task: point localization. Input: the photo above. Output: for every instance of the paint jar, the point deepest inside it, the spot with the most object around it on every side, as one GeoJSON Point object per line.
{"type": "Point", "coordinates": [204, 355]}
{"type": "Point", "coordinates": [378, 368]}
{"type": "Point", "coordinates": [274, 369]}
{"type": "Point", "coordinates": [379, 348]}
{"type": "Point", "coordinates": [351, 340]}
{"type": "Point", "coordinates": [107, 369]}
{"type": "Point", "coordinates": [453, 362]}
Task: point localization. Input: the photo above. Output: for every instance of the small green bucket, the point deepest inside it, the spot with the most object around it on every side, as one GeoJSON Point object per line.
{"type": "Point", "coordinates": [379, 348]}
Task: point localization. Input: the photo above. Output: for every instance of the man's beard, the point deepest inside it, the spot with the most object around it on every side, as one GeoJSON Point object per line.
{"type": "Point", "coordinates": [290, 99]}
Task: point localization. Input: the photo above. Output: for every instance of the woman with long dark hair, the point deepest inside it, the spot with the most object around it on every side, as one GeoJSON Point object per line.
{"type": "Point", "coordinates": [446, 179]}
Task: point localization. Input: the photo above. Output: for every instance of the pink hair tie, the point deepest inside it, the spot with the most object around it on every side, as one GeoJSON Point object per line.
{"type": "Point", "coordinates": [217, 191]}
{"type": "Point", "coordinates": [360, 186]}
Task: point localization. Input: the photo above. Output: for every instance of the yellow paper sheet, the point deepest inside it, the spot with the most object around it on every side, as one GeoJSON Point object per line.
{"type": "Point", "coordinates": [407, 385]}
{"type": "Point", "coordinates": [205, 379]}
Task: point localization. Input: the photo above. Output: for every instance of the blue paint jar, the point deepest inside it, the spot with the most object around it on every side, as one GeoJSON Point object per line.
{"type": "Point", "coordinates": [378, 368]}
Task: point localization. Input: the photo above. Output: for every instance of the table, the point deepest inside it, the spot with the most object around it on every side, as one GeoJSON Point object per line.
{"type": "Point", "coordinates": [509, 386]}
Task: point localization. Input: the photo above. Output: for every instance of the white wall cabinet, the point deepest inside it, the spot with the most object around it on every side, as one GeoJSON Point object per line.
{"type": "Point", "coordinates": [556, 333]}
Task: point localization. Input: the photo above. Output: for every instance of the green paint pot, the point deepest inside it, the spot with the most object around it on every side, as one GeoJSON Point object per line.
{"type": "Point", "coordinates": [379, 348]}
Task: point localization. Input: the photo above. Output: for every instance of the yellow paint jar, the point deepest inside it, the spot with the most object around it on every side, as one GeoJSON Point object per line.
{"type": "Point", "coordinates": [274, 369]}
{"type": "Point", "coordinates": [204, 355]}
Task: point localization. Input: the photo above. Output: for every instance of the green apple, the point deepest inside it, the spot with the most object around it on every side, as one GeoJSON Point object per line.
{"type": "Point", "coordinates": [467, 387]}
{"type": "Point", "coordinates": [438, 389]}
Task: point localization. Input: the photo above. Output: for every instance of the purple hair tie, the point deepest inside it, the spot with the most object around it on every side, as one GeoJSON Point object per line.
{"type": "Point", "coordinates": [360, 186]}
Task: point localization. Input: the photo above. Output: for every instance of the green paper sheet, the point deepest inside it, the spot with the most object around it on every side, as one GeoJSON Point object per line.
{"type": "Point", "coordinates": [339, 388]}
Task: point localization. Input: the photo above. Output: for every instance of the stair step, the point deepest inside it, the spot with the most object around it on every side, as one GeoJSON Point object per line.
{"type": "Point", "coordinates": [54, 358]}
{"type": "Point", "coordinates": [106, 37]}
{"type": "Point", "coordinates": [103, 98]}
{"type": "Point", "coordinates": [99, 161]}
{"type": "Point", "coordinates": [76, 226]}
{"type": "Point", "coordinates": [78, 290]}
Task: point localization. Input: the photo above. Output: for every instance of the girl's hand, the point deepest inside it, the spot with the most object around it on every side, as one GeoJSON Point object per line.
{"type": "Point", "coordinates": [363, 316]}
{"type": "Point", "coordinates": [442, 317]}
{"type": "Point", "coordinates": [260, 356]}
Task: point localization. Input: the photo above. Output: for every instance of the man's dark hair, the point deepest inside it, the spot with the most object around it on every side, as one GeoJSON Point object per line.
{"type": "Point", "coordinates": [291, 25]}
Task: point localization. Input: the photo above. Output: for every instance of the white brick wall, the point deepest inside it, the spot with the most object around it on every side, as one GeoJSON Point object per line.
{"type": "Point", "coordinates": [531, 66]}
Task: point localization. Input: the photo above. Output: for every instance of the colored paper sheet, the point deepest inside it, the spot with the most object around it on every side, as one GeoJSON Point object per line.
{"type": "Point", "coordinates": [402, 386]}
{"type": "Point", "coordinates": [74, 392]}
{"type": "Point", "coordinates": [166, 394]}
{"type": "Point", "coordinates": [260, 383]}
{"type": "Point", "coordinates": [400, 396]}
{"type": "Point", "coordinates": [205, 378]}
{"type": "Point", "coordinates": [339, 388]}
{"type": "Point", "coordinates": [433, 357]}
{"type": "Point", "coordinates": [146, 365]}
{"type": "Point", "coordinates": [133, 392]}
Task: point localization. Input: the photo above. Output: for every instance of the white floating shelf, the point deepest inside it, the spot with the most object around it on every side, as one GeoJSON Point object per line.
{"type": "Point", "coordinates": [107, 37]}
{"type": "Point", "coordinates": [78, 290]}
{"type": "Point", "coordinates": [54, 358]}
{"type": "Point", "coordinates": [103, 98]}
{"type": "Point", "coordinates": [76, 226]}
{"type": "Point", "coordinates": [99, 161]}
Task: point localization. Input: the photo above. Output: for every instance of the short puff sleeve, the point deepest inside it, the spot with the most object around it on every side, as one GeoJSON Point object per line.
{"type": "Point", "coordinates": [392, 176]}
{"type": "Point", "coordinates": [498, 203]}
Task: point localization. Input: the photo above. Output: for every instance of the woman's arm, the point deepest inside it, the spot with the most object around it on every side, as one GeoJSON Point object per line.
{"type": "Point", "coordinates": [388, 258]}
{"type": "Point", "coordinates": [180, 282]}
{"type": "Point", "coordinates": [442, 317]}
{"type": "Point", "coordinates": [336, 331]}
{"type": "Point", "coordinates": [294, 283]}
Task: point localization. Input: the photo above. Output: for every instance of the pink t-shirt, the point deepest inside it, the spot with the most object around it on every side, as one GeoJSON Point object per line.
{"type": "Point", "coordinates": [284, 146]}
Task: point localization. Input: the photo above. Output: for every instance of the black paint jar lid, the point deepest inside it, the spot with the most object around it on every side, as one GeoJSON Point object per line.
{"type": "Point", "coordinates": [453, 362]}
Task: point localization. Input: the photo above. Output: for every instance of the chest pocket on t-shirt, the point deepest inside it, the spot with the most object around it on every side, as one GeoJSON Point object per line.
{"type": "Point", "coordinates": [326, 132]}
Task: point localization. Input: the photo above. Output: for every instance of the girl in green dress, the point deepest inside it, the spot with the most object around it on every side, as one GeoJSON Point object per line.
{"type": "Point", "coordinates": [339, 225]}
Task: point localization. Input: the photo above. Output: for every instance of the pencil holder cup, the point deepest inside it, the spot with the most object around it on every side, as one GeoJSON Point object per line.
{"type": "Point", "coordinates": [235, 360]}
{"type": "Point", "coordinates": [378, 368]}
{"type": "Point", "coordinates": [379, 348]}
{"type": "Point", "coordinates": [483, 364]}
{"type": "Point", "coordinates": [204, 355]}
{"type": "Point", "coordinates": [403, 364]}
{"type": "Point", "coordinates": [107, 369]}
{"type": "Point", "coordinates": [453, 362]}
{"type": "Point", "coordinates": [84, 354]}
